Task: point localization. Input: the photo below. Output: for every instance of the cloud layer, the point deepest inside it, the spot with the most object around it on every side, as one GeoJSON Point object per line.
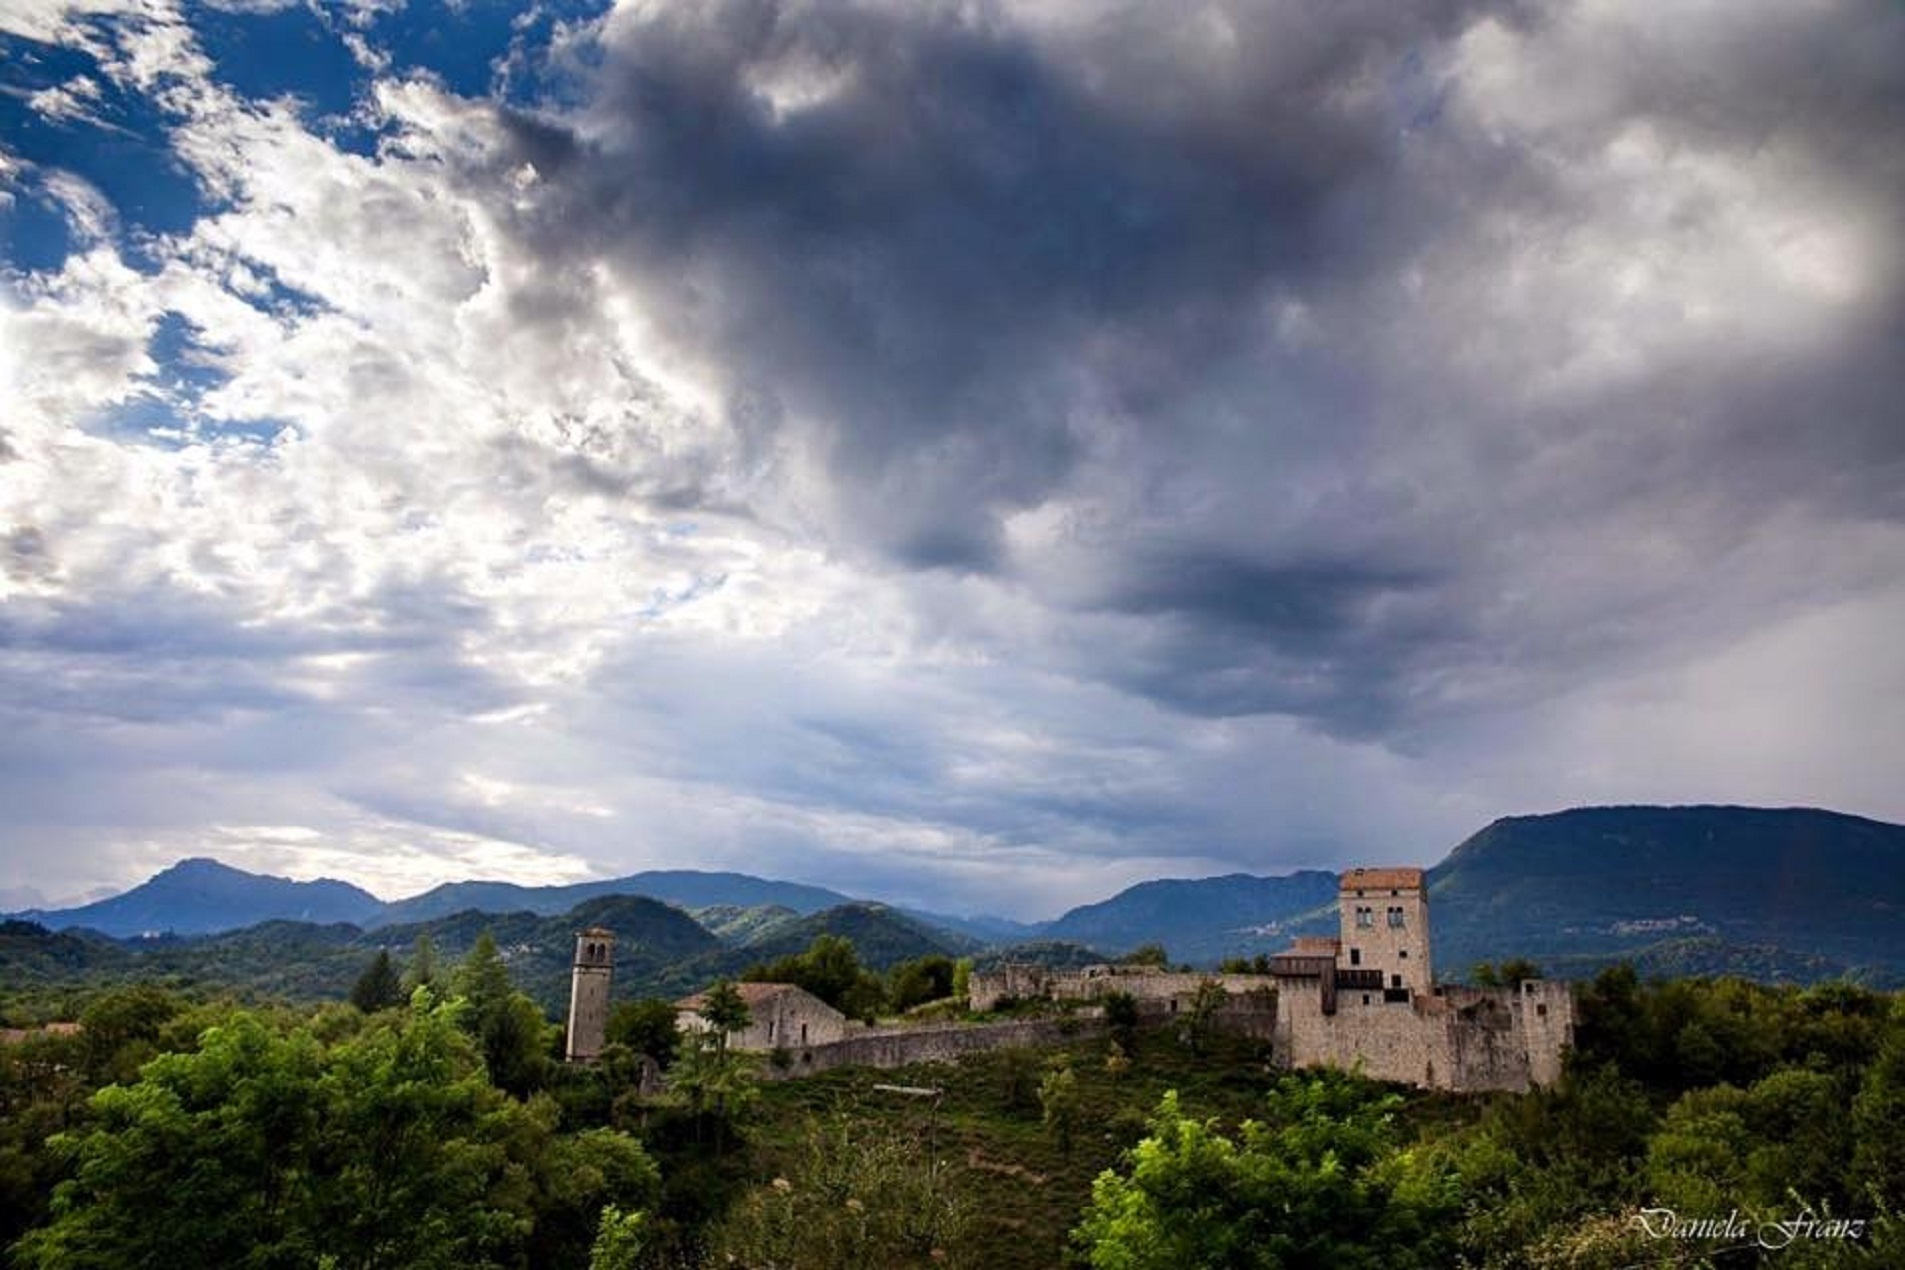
{"type": "Point", "coordinates": [975, 455]}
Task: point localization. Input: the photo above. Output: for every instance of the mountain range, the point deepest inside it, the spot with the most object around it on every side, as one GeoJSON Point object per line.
{"type": "Point", "coordinates": [1771, 893]}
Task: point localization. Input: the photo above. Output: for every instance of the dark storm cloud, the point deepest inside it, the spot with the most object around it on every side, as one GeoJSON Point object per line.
{"type": "Point", "coordinates": [916, 266]}
{"type": "Point", "coordinates": [1281, 312]}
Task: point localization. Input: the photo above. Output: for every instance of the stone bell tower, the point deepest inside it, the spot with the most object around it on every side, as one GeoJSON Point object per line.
{"type": "Point", "coordinates": [589, 994]}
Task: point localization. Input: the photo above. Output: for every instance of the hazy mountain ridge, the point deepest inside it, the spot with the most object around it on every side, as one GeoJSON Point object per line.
{"type": "Point", "coordinates": [201, 896]}
{"type": "Point", "coordinates": [1199, 919]}
{"type": "Point", "coordinates": [1776, 893]}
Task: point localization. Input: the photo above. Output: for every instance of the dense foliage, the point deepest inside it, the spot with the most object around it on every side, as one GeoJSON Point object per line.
{"type": "Point", "coordinates": [270, 1147]}
{"type": "Point", "coordinates": [173, 1127]}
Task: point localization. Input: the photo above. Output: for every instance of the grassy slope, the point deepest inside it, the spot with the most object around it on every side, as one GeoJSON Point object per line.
{"type": "Point", "coordinates": [1027, 1194]}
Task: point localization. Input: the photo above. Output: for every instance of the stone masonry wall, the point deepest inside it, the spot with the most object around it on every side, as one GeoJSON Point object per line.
{"type": "Point", "coordinates": [1465, 1039]}
{"type": "Point", "coordinates": [901, 1046]}
{"type": "Point", "coordinates": [1021, 982]}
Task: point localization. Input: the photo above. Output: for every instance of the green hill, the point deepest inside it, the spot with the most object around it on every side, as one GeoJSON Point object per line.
{"type": "Point", "coordinates": [1707, 889]}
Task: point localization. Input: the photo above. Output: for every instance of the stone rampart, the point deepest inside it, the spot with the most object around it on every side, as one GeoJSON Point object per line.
{"type": "Point", "coordinates": [934, 1043]}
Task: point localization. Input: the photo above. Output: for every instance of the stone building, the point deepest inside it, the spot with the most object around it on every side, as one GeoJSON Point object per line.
{"type": "Point", "coordinates": [1365, 998]}
{"type": "Point", "coordinates": [780, 1016]}
{"type": "Point", "coordinates": [589, 994]}
{"type": "Point", "coordinates": [1368, 998]}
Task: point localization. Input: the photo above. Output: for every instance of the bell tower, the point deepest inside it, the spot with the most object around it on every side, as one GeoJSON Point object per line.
{"type": "Point", "coordinates": [589, 994]}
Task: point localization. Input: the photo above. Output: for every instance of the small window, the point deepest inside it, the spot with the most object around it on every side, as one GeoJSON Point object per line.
{"type": "Point", "coordinates": [1395, 918]}
{"type": "Point", "coordinates": [1395, 981]}
{"type": "Point", "coordinates": [1541, 1010]}
{"type": "Point", "coordinates": [1365, 998]}
{"type": "Point", "coordinates": [1355, 956]}
{"type": "Point", "coordinates": [1365, 918]}
{"type": "Point", "coordinates": [1402, 954]}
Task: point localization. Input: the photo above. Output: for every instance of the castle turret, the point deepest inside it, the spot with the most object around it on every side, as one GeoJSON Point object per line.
{"type": "Point", "coordinates": [1385, 922]}
{"type": "Point", "coordinates": [589, 994]}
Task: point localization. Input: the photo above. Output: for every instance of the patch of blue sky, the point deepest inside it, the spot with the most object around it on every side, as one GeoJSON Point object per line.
{"type": "Point", "coordinates": [118, 145]}
{"type": "Point", "coordinates": [282, 300]}
{"type": "Point", "coordinates": [292, 52]}
{"type": "Point", "coordinates": [34, 235]}
{"type": "Point", "coordinates": [183, 359]}
{"type": "Point", "coordinates": [167, 422]}
{"type": "Point", "coordinates": [464, 44]}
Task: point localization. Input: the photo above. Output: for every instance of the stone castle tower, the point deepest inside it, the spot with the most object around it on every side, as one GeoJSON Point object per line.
{"type": "Point", "coordinates": [1385, 923]}
{"type": "Point", "coordinates": [589, 994]}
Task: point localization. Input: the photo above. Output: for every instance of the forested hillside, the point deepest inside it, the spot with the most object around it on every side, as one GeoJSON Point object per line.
{"type": "Point", "coordinates": [430, 1124]}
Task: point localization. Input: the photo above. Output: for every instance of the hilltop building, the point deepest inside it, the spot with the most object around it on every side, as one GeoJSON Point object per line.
{"type": "Point", "coordinates": [589, 994]}
{"type": "Point", "coordinates": [780, 1016]}
{"type": "Point", "coordinates": [1366, 998]}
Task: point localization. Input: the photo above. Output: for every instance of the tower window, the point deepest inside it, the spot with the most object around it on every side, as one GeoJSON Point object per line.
{"type": "Point", "coordinates": [1395, 917]}
{"type": "Point", "coordinates": [1365, 918]}
{"type": "Point", "coordinates": [1355, 956]}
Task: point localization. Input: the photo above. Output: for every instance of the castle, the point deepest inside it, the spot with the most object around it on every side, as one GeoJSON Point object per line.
{"type": "Point", "coordinates": [1366, 998]}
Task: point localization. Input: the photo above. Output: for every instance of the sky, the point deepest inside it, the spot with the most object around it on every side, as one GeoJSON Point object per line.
{"type": "Point", "coordinates": [974, 455]}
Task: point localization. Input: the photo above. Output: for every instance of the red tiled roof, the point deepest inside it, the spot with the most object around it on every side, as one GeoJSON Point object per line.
{"type": "Point", "coordinates": [1380, 879]}
{"type": "Point", "coordinates": [752, 993]}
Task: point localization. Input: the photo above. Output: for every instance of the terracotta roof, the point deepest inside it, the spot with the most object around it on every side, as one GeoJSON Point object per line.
{"type": "Point", "coordinates": [752, 993]}
{"type": "Point", "coordinates": [1380, 879]}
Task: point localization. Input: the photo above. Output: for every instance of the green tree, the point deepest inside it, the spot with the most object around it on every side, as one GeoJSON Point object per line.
{"type": "Point", "coordinates": [1201, 1019]}
{"type": "Point", "coordinates": [621, 1240]}
{"type": "Point", "coordinates": [121, 1029]}
{"type": "Point", "coordinates": [962, 980]}
{"type": "Point", "coordinates": [718, 1081]}
{"type": "Point", "coordinates": [923, 979]}
{"type": "Point", "coordinates": [1152, 954]}
{"type": "Point", "coordinates": [422, 971]}
{"type": "Point", "coordinates": [725, 1012]}
{"type": "Point", "coordinates": [831, 970]}
{"type": "Point", "coordinates": [389, 1149]}
{"type": "Point", "coordinates": [515, 1038]}
{"type": "Point", "coordinates": [1878, 1112]}
{"type": "Point", "coordinates": [646, 1026]}
{"type": "Point", "coordinates": [1059, 1104]}
{"type": "Point", "coordinates": [378, 988]}
{"type": "Point", "coordinates": [1121, 1018]}
{"type": "Point", "coordinates": [1317, 1183]}
{"type": "Point", "coordinates": [1516, 969]}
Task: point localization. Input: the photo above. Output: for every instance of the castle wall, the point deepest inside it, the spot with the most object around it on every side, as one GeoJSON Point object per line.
{"type": "Point", "coordinates": [1252, 1014]}
{"type": "Point", "coordinates": [1466, 1039]}
{"type": "Point", "coordinates": [1145, 983]}
{"type": "Point", "coordinates": [903, 1046]}
{"type": "Point", "coordinates": [1545, 1014]}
